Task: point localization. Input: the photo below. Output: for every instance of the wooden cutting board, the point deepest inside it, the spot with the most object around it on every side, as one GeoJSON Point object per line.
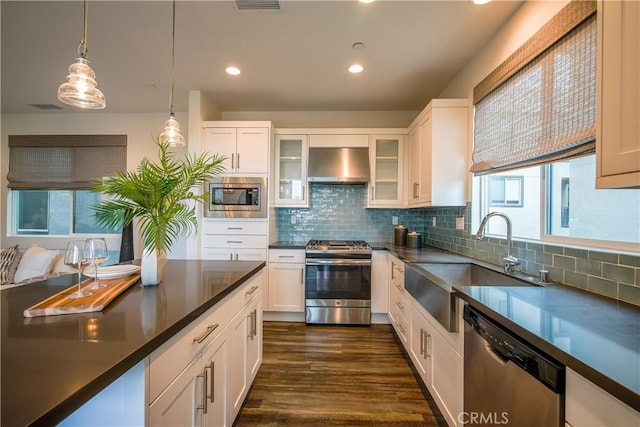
{"type": "Point", "coordinates": [60, 303]}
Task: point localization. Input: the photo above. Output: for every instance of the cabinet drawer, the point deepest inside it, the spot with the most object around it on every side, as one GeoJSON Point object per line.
{"type": "Point", "coordinates": [235, 227]}
{"type": "Point", "coordinates": [286, 255]}
{"type": "Point", "coordinates": [233, 241]}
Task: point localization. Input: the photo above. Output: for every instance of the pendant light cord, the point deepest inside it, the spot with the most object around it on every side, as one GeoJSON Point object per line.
{"type": "Point", "coordinates": [173, 57]}
{"type": "Point", "coordinates": [82, 48]}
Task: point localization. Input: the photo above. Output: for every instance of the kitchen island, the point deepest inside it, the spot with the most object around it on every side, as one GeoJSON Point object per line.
{"type": "Point", "coordinates": [53, 365]}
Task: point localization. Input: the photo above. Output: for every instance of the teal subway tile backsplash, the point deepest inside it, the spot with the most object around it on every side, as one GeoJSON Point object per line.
{"type": "Point", "coordinates": [339, 212]}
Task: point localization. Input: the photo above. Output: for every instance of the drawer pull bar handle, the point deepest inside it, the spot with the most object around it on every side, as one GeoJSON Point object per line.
{"type": "Point", "coordinates": [235, 228]}
{"type": "Point", "coordinates": [285, 256]}
{"type": "Point", "coordinates": [252, 290]}
{"type": "Point", "coordinates": [234, 241]}
{"type": "Point", "coordinates": [212, 381]}
{"type": "Point", "coordinates": [421, 341]}
{"type": "Point", "coordinates": [205, 380]}
{"type": "Point", "coordinates": [206, 333]}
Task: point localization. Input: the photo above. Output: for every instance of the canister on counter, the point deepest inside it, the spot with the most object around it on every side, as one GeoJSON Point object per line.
{"type": "Point", "coordinates": [400, 235]}
{"type": "Point", "coordinates": [414, 240]}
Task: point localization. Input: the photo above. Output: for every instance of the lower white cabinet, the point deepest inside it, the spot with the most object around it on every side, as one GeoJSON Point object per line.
{"type": "Point", "coordinates": [245, 346]}
{"type": "Point", "coordinates": [202, 375]}
{"type": "Point", "coordinates": [197, 397]}
{"type": "Point", "coordinates": [286, 280]}
{"type": "Point", "coordinates": [581, 409]}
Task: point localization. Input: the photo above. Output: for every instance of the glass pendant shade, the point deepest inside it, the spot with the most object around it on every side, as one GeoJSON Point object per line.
{"type": "Point", "coordinates": [171, 133]}
{"type": "Point", "coordinates": [80, 89]}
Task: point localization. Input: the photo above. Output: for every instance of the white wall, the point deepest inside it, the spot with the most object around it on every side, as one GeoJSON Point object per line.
{"type": "Point", "coordinates": [139, 128]}
{"type": "Point", "coordinates": [525, 22]}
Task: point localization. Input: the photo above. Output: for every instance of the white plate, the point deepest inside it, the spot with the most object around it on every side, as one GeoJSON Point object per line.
{"type": "Point", "coordinates": [113, 271]}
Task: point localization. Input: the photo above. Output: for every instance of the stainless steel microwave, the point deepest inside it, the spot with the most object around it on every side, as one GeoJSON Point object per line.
{"type": "Point", "coordinates": [237, 197]}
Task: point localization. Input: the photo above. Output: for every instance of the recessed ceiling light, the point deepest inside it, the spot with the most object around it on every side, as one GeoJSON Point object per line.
{"type": "Point", "coordinates": [234, 71]}
{"type": "Point", "coordinates": [356, 68]}
{"type": "Point", "coordinates": [481, 1]}
{"type": "Point", "coordinates": [366, 1]}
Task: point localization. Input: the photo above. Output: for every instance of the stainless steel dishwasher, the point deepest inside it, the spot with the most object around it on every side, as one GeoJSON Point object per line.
{"type": "Point", "coordinates": [507, 382]}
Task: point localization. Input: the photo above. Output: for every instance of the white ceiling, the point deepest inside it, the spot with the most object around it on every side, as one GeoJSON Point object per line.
{"type": "Point", "coordinates": [293, 59]}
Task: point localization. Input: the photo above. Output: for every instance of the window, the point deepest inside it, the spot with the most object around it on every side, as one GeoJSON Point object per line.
{"type": "Point", "coordinates": [561, 204]}
{"type": "Point", "coordinates": [54, 213]}
{"type": "Point", "coordinates": [506, 190]}
{"type": "Point", "coordinates": [50, 177]}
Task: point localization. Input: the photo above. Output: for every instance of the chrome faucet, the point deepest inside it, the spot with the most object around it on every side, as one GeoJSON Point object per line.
{"type": "Point", "coordinates": [510, 262]}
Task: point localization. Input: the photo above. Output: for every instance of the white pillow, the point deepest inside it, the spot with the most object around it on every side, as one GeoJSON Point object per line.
{"type": "Point", "coordinates": [36, 261]}
{"type": "Point", "coordinates": [58, 265]}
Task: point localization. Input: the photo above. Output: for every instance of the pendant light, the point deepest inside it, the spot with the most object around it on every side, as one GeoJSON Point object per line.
{"type": "Point", "coordinates": [80, 88]}
{"type": "Point", "coordinates": [171, 133]}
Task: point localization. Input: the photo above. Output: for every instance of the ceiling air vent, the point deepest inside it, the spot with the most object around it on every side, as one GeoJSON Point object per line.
{"type": "Point", "coordinates": [47, 106]}
{"type": "Point", "coordinates": [248, 5]}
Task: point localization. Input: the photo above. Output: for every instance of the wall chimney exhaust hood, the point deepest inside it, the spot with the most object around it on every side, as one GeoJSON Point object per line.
{"type": "Point", "coordinates": [338, 165]}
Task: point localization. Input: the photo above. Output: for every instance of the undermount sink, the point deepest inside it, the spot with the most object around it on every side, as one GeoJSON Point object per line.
{"type": "Point", "coordinates": [468, 274]}
{"type": "Point", "coordinates": [432, 286]}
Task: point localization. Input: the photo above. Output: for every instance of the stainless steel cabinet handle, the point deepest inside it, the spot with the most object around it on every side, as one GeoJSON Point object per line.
{"type": "Point", "coordinates": [235, 228]}
{"type": "Point", "coordinates": [253, 326]}
{"type": "Point", "coordinates": [212, 381]}
{"type": "Point", "coordinates": [252, 290]}
{"type": "Point", "coordinates": [285, 256]}
{"type": "Point", "coordinates": [206, 333]}
{"type": "Point", "coordinates": [421, 341]}
{"type": "Point", "coordinates": [232, 157]}
{"type": "Point", "coordinates": [236, 256]}
{"type": "Point", "coordinates": [393, 270]}
{"type": "Point", "coordinates": [416, 186]}
{"type": "Point", "coordinates": [205, 380]}
{"type": "Point", "coordinates": [302, 276]}
{"type": "Point", "coordinates": [238, 161]}
{"type": "Point", "coordinates": [373, 189]}
{"type": "Point", "coordinates": [234, 241]}
{"type": "Point", "coordinates": [231, 256]}
{"type": "Point", "coordinates": [426, 346]}
{"type": "Point", "coordinates": [303, 191]}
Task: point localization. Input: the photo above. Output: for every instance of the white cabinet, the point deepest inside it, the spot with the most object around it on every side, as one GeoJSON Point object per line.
{"type": "Point", "coordinates": [286, 280]}
{"type": "Point", "coordinates": [581, 409]}
{"type": "Point", "coordinates": [437, 154]}
{"type": "Point", "coordinates": [379, 282]}
{"type": "Point", "coordinates": [399, 314]}
{"type": "Point", "coordinates": [290, 171]}
{"type": "Point", "coordinates": [234, 240]}
{"type": "Point", "coordinates": [245, 348]}
{"type": "Point", "coordinates": [386, 157]}
{"type": "Point", "coordinates": [200, 377]}
{"type": "Point", "coordinates": [246, 148]}
{"type": "Point", "coordinates": [618, 124]}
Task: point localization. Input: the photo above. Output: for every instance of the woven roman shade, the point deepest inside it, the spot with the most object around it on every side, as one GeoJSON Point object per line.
{"type": "Point", "coordinates": [539, 106]}
{"type": "Point", "coordinates": [61, 162]}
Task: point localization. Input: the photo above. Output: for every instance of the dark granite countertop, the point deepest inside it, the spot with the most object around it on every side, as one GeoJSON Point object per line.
{"type": "Point", "coordinates": [52, 365]}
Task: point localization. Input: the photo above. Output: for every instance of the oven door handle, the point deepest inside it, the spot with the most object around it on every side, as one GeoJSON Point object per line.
{"type": "Point", "coordinates": [337, 261]}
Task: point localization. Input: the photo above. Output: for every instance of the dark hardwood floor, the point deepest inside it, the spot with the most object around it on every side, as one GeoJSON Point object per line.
{"type": "Point", "coordinates": [335, 376]}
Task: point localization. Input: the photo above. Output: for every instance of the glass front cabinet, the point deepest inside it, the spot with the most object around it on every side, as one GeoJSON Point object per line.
{"type": "Point", "coordinates": [290, 183]}
{"type": "Point", "coordinates": [385, 155]}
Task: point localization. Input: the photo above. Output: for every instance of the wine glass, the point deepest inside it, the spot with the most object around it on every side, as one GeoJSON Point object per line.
{"type": "Point", "coordinates": [75, 258]}
{"type": "Point", "coordinates": [96, 252]}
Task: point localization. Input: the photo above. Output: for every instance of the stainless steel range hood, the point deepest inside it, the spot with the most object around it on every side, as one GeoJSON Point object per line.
{"type": "Point", "coordinates": [334, 165]}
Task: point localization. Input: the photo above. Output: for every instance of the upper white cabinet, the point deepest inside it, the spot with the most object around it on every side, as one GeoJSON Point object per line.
{"type": "Point", "coordinates": [437, 154]}
{"type": "Point", "coordinates": [618, 129]}
{"type": "Point", "coordinates": [246, 148]}
{"type": "Point", "coordinates": [386, 157]}
{"type": "Point", "coordinates": [290, 174]}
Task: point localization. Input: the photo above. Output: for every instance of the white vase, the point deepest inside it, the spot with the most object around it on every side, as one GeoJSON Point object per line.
{"type": "Point", "coordinates": [152, 267]}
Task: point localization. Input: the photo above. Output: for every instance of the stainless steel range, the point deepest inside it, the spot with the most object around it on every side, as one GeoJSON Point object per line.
{"type": "Point", "coordinates": [338, 282]}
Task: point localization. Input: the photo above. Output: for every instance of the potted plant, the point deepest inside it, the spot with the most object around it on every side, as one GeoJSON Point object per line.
{"type": "Point", "coordinates": [161, 197]}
